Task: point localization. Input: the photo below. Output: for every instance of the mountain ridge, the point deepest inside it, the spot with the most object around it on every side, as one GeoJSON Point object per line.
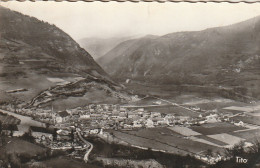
{"type": "Point", "coordinates": [218, 56]}
{"type": "Point", "coordinates": [36, 56]}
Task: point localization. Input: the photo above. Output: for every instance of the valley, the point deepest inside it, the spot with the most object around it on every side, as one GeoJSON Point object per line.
{"type": "Point", "coordinates": [184, 99]}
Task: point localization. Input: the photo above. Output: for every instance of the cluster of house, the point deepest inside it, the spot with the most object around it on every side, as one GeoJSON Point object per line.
{"type": "Point", "coordinates": [109, 116]}
{"type": "Point", "coordinates": [115, 117]}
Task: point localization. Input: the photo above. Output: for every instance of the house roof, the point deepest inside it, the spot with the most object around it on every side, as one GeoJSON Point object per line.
{"type": "Point", "coordinates": [10, 127]}
{"type": "Point", "coordinates": [42, 129]}
{"type": "Point", "coordinates": [63, 114]}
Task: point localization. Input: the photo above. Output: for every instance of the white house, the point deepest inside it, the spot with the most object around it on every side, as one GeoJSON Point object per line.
{"type": "Point", "coordinates": [240, 124]}
{"type": "Point", "coordinates": [149, 123]}
{"type": "Point", "coordinates": [212, 118]}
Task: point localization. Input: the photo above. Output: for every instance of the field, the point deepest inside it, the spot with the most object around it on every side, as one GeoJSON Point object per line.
{"type": "Point", "coordinates": [184, 131]}
{"type": "Point", "coordinates": [226, 138]}
{"type": "Point", "coordinates": [216, 128]}
{"type": "Point", "coordinates": [252, 134]}
{"type": "Point", "coordinates": [65, 162]}
{"type": "Point", "coordinates": [7, 119]}
{"type": "Point", "coordinates": [92, 96]}
{"type": "Point", "coordinates": [255, 113]}
{"type": "Point", "coordinates": [147, 101]}
{"type": "Point", "coordinates": [34, 83]}
{"type": "Point", "coordinates": [170, 109]}
{"type": "Point", "coordinates": [243, 109]}
{"type": "Point", "coordinates": [163, 139]}
{"type": "Point", "coordinates": [214, 141]}
{"type": "Point", "coordinates": [248, 119]}
{"type": "Point", "coordinates": [184, 140]}
{"type": "Point", "coordinates": [20, 147]}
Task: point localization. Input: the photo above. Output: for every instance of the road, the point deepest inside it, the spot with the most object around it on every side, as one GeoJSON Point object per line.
{"type": "Point", "coordinates": [89, 147]}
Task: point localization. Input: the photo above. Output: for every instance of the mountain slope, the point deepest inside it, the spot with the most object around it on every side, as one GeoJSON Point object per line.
{"type": "Point", "coordinates": [36, 56]}
{"type": "Point", "coordinates": [124, 49]}
{"type": "Point", "coordinates": [226, 56]}
{"type": "Point", "coordinates": [47, 38]}
{"type": "Point", "coordinates": [97, 47]}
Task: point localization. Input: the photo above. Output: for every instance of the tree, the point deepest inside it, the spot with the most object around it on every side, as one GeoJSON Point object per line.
{"type": "Point", "coordinates": [72, 135]}
{"type": "Point", "coordinates": [209, 153]}
{"type": "Point", "coordinates": [54, 134]}
{"type": "Point", "coordinates": [1, 127]}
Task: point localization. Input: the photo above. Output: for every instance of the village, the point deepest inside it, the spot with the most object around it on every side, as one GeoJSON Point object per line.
{"type": "Point", "coordinates": [110, 116]}
{"type": "Point", "coordinates": [62, 128]}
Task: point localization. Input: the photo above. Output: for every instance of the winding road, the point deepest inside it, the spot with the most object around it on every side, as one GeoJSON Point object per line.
{"type": "Point", "coordinates": [89, 147]}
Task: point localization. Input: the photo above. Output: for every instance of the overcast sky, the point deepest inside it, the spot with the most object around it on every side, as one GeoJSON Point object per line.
{"type": "Point", "coordinates": [105, 20]}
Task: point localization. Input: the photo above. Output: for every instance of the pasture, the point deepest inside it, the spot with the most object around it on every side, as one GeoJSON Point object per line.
{"type": "Point", "coordinates": [216, 128]}
{"type": "Point", "coordinates": [255, 120]}
{"type": "Point", "coordinates": [168, 140]}
{"type": "Point", "coordinates": [184, 131]}
{"type": "Point", "coordinates": [170, 109]}
{"type": "Point", "coordinates": [244, 108]}
{"type": "Point", "coordinates": [226, 138]}
{"type": "Point", "coordinates": [65, 162]}
{"type": "Point", "coordinates": [18, 146]}
{"type": "Point", "coordinates": [252, 134]}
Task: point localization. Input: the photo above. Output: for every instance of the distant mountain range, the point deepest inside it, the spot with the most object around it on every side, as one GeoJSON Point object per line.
{"type": "Point", "coordinates": [221, 56]}
{"type": "Point", "coordinates": [97, 47]}
{"type": "Point", "coordinates": [36, 55]}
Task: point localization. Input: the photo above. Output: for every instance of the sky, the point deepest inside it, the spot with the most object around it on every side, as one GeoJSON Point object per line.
{"type": "Point", "coordinates": [114, 19]}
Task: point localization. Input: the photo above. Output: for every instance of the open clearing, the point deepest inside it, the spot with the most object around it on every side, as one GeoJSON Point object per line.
{"type": "Point", "coordinates": [216, 128]}
{"type": "Point", "coordinates": [226, 138]}
{"type": "Point", "coordinates": [184, 131]}
{"type": "Point", "coordinates": [252, 134]}
{"type": "Point", "coordinates": [167, 140]}
{"type": "Point", "coordinates": [19, 146]}
{"type": "Point", "coordinates": [243, 109]}
{"type": "Point", "coordinates": [170, 109]}
{"type": "Point", "coordinates": [92, 96]}
{"type": "Point", "coordinates": [255, 120]}
{"type": "Point", "coordinates": [64, 162]}
{"type": "Point", "coordinates": [255, 113]}
{"type": "Point", "coordinates": [214, 141]}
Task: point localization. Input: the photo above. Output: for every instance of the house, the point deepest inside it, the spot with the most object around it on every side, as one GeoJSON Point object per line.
{"type": "Point", "coordinates": [94, 131]}
{"type": "Point", "coordinates": [163, 122]}
{"type": "Point", "coordinates": [140, 110]}
{"type": "Point", "coordinates": [39, 132]}
{"type": "Point", "coordinates": [149, 123]}
{"type": "Point", "coordinates": [9, 129]}
{"type": "Point", "coordinates": [240, 124]}
{"type": "Point", "coordinates": [62, 116]}
{"type": "Point", "coordinates": [137, 124]}
{"type": "Point", "coordinates": [122, 109]}
{"type": "Point", "coordinates": [212, 118]}
{"type": "Point", "coordinates": [158, 102]}
{"type": "Point", "coordinates": [85, 116]}
{"type": "Point", "coordinates": [155, 114]}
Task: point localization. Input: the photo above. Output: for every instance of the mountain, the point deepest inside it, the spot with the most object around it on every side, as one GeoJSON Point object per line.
{"type": "Point", "coordinates": [221, 56]}
{"type": "Point", "coordinates": [123, 50]}
{"type": "Point", "coordinates": [97, 47]}
{"type": "Point", "coordinates": [37, 56]}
